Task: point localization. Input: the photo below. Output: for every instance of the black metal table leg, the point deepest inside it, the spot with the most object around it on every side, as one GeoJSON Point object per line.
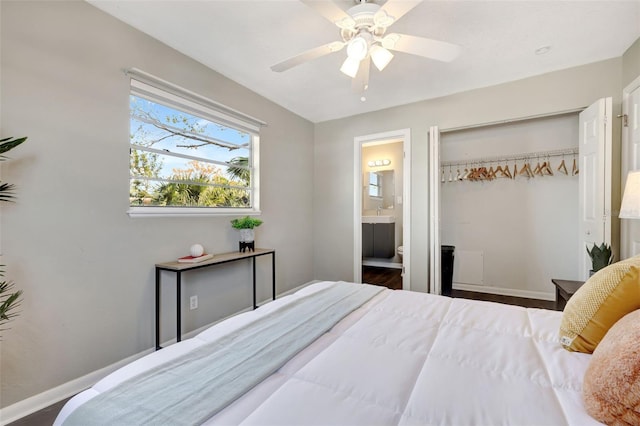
{"type": "Point", "coordinates": [178, 307]}
{"type": "Point", "coordinates": [254, 284]}
{"type": "Point", "coordinates": [158, 309]}
{"type": "Point", "coordinates": [273, 274]}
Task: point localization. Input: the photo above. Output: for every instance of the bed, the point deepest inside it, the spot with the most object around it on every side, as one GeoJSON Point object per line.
{"type": "Point", "coordinates": [401, 358]}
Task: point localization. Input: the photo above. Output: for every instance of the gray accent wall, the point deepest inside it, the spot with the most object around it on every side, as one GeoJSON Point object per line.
{"type": "Point", "coordinates": [86, 267]}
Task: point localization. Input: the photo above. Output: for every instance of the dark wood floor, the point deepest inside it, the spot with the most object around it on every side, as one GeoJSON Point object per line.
{"type": "Point", "coordinates": [387, 277]}
{"type": "Point", "coordinates": [391, 278]}
{"type": "Point", "coordinates": [44, 417]}
{"type": "Point", "coordinates": [508, 300]}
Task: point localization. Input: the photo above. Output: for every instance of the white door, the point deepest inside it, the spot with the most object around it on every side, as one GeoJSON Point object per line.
{"type": "Point", "coordinates": [630, 228]}
{"type": "Point", "coordinates": [434, 211]}
{"type": "Point", "coordinates": [594, 180]}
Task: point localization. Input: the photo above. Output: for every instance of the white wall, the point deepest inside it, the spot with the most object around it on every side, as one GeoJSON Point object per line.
{"type": "Point", "coordinates": [333, 204]}
{"type": "Point", "coordinates": [526, 229]}
{"type": "Point", "coordinates": [86, 268]}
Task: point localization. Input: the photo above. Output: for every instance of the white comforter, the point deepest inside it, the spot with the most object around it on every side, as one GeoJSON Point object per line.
{"type": "Point", "coordinates": [407, 358]}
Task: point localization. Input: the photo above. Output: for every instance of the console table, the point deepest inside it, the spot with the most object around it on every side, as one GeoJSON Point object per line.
{"type": "Point", "coordinates": [218, 259]}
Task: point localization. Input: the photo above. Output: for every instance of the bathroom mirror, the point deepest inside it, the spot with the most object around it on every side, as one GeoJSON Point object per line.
{"type": "Point", "coordinates": [380, 189]}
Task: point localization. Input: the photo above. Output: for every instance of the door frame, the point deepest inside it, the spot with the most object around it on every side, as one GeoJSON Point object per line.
{"type": "Point", "coordinates": [626, 249]}
{"type": "Point", "coordinates": [435, 273]}
{"type": "Point", "coordinates": [432, 218]}
{"type": "Point", "coordinates": [403, 136]}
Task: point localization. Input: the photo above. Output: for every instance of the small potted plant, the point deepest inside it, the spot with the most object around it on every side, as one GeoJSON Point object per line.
{"type": "Point", "coordinates": [600, 257]}
{"type": "Point", "coordinates": [247, 235]}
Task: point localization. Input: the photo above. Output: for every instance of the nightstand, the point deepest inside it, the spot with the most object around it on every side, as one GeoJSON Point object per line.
{"type": "Point", "coordinates": [564, 290]}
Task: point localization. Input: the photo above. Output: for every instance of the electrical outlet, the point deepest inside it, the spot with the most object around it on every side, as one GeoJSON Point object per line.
{"type": "Point", "coordinates": [193, 302]}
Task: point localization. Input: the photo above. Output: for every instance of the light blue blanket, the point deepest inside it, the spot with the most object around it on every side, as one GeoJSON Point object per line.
{"type": "Point", "coordinates": [195, 386]}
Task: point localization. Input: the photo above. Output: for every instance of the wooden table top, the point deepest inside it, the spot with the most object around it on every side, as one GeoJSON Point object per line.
{"type": "Point", "coordinates": [217, 258]}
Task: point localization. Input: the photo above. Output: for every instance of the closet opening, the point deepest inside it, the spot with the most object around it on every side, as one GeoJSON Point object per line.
{"type": "Point", "coordinates": [509, 203]}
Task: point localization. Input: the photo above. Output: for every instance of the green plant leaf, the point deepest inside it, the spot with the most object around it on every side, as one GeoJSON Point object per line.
{"type": "Point", "coordinates": [7, 144]}
{"type": "Point", "coordinates": [246, 222]}
{"type": "Point", "coordinates": [6, 192]}
{"type": "Point", "coordinates": [601, 256]}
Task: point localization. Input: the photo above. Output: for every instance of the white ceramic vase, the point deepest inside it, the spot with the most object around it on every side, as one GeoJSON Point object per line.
{"type": "Point", "coordinates": [246, 235]}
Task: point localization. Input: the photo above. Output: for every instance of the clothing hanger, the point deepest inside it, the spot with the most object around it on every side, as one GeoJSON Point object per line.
{"type": "Point", "coordinates": [563, 167]}
{"type": "Point", "coordinates": [526, 170]}
{"type": "Point", "coordinates": [538, 168]}
{"type": "Point", "coordinates": [442, 179]}
{"type": "Point", "coordinates": [450, 174]}
{"type": "Point", "coordinates": [507, 172]}
{"type": "Point", "coordinates": [529, 171]}
{"type": "Point", "coordinates": [575, 169]}
{"type": "Point", "coordinates": [466, 172]}
{"type": "Point", "coordinates": [547, 167]}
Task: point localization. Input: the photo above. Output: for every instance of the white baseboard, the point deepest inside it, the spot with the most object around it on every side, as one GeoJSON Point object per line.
{"type": "Point", "coordinates": [382, 264]}
{"type": "Point", "coordinates": [506, 291]}
{"type": "Point", "coordinates": [49, 397]}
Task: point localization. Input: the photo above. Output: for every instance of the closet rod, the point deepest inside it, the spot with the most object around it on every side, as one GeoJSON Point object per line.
{"type": "Point", "coordinates": [515, 157]}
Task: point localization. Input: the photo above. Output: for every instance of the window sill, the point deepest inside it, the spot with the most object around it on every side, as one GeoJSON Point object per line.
{"type": "Point", "coordinates": [141, 212]}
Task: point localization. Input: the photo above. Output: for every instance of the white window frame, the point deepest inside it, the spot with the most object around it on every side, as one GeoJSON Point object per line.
{"type": "Point", "coordinates": [378, 194]}
{"type": "Point", "coordinates": [163, 92]}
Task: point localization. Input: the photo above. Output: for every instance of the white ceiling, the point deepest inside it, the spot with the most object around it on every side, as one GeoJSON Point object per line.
{"type": "Point", "coordinates": [241, 39]}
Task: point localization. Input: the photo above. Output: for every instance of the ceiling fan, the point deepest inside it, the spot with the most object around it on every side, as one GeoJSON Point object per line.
{"type": "Point", "coordinates": [363, 30]}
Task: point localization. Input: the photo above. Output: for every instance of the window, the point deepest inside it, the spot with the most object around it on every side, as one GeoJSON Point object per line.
{"type": "Point", "coordinates": [375, 185]}
{"type": "Point", "coordinates": [189, 155]}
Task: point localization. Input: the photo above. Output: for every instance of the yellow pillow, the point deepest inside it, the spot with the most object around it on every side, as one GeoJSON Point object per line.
{"type": "Point", "coordinates": [607, 296]}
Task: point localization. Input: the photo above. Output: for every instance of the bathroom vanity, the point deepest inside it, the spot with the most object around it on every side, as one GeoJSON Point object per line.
{"type": "Point", "coordinates": [378, 236]}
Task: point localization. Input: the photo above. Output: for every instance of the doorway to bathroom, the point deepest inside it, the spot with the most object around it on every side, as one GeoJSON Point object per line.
{"type": "Point", "coordinates": [382, 209]}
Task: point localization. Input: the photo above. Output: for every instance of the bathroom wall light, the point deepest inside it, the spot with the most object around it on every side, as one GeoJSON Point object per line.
{"type": "Point", "coordinates": [379, 163]}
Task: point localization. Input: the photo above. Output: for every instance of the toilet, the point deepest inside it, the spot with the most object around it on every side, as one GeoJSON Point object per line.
{"type": "Point", "coordinates": [399, 251]}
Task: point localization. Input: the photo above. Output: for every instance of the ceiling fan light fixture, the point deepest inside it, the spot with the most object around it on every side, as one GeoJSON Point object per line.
{"type": "Point", "coordinates": [350, 66]}
{"type": "Point", "coordinates": [346, 23]}
{"type": "Point", "coordinates": [358, 48]}
{"type": "Point", "coordinates": [389, 41]}
{"type": "Point", "coordinates": [381, 19]}
{"type": "Point", "coordinates": [380, 56]}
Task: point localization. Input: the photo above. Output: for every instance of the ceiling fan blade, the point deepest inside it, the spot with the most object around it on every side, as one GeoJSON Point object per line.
{"type": "Point", "coordinates": [328, 9]}
{"type": "Point", "coordinates": [398, 8]}
{"type": "Point", "coordinates": [360, 83]}
{"type": "Point", "coordinates": [309, 55]}
{"type": "Point", "coordinates": [429, 48]}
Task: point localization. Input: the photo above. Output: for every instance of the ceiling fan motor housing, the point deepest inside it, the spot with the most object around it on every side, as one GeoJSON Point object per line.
{"type": "Point", "coordinates": [365, 21]}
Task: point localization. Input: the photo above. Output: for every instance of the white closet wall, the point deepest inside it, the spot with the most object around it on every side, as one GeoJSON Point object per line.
{"type": "Point", "coordinates": [512, 236]}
